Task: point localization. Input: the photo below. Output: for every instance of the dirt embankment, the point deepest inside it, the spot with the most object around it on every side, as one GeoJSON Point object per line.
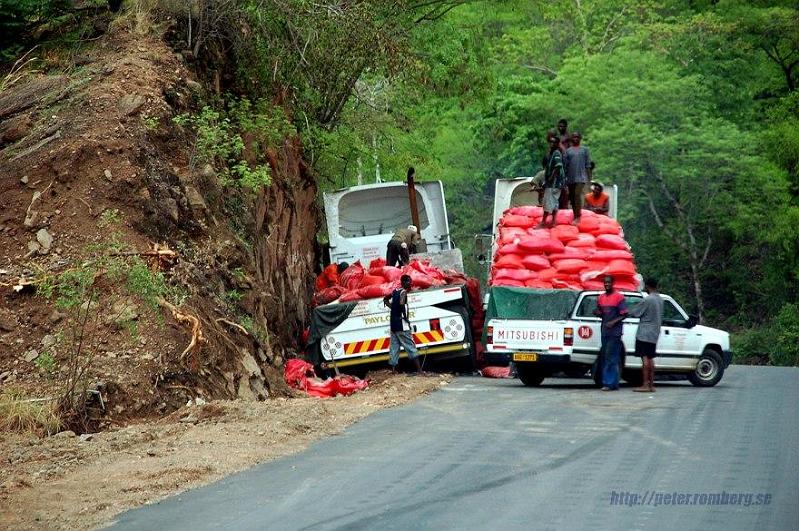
{"type": "Point", "coordinates": [73, 482]}
{"type": "Point", "coordinates": [92, 159]}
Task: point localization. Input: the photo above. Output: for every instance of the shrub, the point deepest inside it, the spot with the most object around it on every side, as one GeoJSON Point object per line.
{"type": "Point", "coordinates": [785, 350]}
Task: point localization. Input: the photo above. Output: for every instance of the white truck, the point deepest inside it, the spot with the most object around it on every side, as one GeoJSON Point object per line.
{"type": "Point", "coordinates": [360, 222]}
{"type": "Point", "coordinates": [556, 336]}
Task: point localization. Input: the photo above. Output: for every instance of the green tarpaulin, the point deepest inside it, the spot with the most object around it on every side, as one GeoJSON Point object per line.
{"type": "Point", "coordinates": [527, 303]}
{"type": "Point", "coordinates": [323, 320]}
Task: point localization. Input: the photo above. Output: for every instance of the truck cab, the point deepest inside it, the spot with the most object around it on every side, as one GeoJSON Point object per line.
{"type": "Point", "coordinates": [569, 341]}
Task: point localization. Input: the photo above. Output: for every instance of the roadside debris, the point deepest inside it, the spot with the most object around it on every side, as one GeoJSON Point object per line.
{"type": "Point", "coordinates": [300, 375]}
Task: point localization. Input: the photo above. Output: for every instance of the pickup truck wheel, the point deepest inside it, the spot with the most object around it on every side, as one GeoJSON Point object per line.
{"type": "Point", "coordinates": [530, 376]}
{"type": "Point", "coordinates": [575, 371]}
{"type": "Point", "coordinates": [633, 377]}
{"type": "Point", "coordinates": [709, 369]}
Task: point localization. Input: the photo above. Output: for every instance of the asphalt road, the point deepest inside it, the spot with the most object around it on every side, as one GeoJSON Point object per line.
{"type": "Point", "coordinates": [492, 454]}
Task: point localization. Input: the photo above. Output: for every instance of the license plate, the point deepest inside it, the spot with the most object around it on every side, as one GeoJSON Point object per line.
{"type": "Point", "coordinates": [522, 356]}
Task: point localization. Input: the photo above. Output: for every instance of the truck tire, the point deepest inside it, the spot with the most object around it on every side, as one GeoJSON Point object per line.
{"type": "Point", "coordinates": [530, 376]}
{"type": "Point", "coordinates": [634, 377]}
{"type": "Point", "coordinates": [709, 369]}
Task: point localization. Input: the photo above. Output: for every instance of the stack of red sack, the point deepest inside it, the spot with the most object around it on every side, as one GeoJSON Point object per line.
{"type": "Point", "coordinates": [356, 283]}
{"type": "Point", "coordinates": [565, 257]}
{"type": "Point", "coordinates": [299, 374]}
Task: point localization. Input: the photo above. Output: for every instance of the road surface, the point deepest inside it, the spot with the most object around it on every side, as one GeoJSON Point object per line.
{"type": "Point", "coordinates": [492, 454]}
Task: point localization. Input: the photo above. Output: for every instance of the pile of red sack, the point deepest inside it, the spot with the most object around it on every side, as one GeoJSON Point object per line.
{"type": "Point", "coordinates": [300, 375]}
{"type": "Point", "coordinates": [379, 280]}
{"type": "Point", "coordinates": [564, 257]}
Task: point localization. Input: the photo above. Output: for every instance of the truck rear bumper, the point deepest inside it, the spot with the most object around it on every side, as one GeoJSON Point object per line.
{"type": "Point", "coordinates": [504, 358]}
{"type": "Point", "coordinates": [442, 351]}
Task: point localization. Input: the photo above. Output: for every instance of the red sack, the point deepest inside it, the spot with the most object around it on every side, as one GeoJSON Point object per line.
{"type": "Point", "coordinates": [529, 211]}
{"type": "Point", "coordinates": [542, 234]}
{"type": "Point", "coordinates": [536, 246]}
{"type": "Point", "coordinates": [547, 274]}
{"type": "Point", "coordinates": [508, 282]}
{"type": "Point", "coordinates": [427, 269]}
{"type": "Point", "coordinates": [577, 253]}
{"type": "Point", "coordinates": [566, 284]}
{"type": "Point", "coordinates": [512, 220]}
{"type": "Point", "coordinates": [299, 374]}
{"type": "Point", "coordinates": [588, 223]}
{"type": "Point", "coordinates": [593, 285]}
{"type": "Point", "coordinates": [350, 296]}
{"type": "Point", "coordinates": [538, 284]}
{"type": "Point", "coordinates": [611, 241]}
{"type": "Point", "coordinates": [521, 275]}
{"type": "Point", "coordinates": [583, 241]}
{"type": "Point", "coordinates": [328, 277]}
{"type": "Point", "coordinates": [510, 234]}
{"type": "Point", "coordinates": [607, 228]}
{"type": "Point", "coordinates": [535, 262]}
{"type": "Point", "coordinates": [328, 295]}
{"type": "Point", "coordinates": [606, 255]}
{"type": "Point", "coordinates": [509, 248]}
{"type": "Point", "coordinates": [390, 274]}
{"type": "Point", "coordinates": [351, 277]}
{"type": "Point", "coordinates": [371, 280]}
{"type": "Point", "coordinates": [375, 291]}
{"type": "Point", "coordinates": [570, 265]}
{"type": "Point", "coordinates": [565, 233]}
{"type": "Point", "coordinates": [621, 267]}
{"type": "Point", "coordinates": [509, 261]}
{"type": "Point", "coordinates": [564, 217]}
{"type": "Point", "coordinates": [377, 262]}
{"type": "Point", "coordinates": [626, 283]}
{"type": "Point", "coordinates": [495, 372]}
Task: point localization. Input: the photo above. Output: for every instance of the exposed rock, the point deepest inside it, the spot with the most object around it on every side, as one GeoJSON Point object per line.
{"type": "Point", "coordinates": [107, 174]}
{"type": "Point", "coordinates": [130, 104]}
{"type": "Point", "coordinates": [194, 86]}
{"type": "Point", "coordinates": [172, 209]}
{"type": "Point", "coordinates": [31, 355]}
{"type": "Point", "coordinates": [4, 375]}
{"type": "Point", "coordinates": [56, 317]}
{"type": "Point", "coordinates": [208, 172]}
{"type": "Point", "coordinates": [8, 320]}
{"type": "Point", "coordinates": [122, 311]}
{"type": "Point", "coordinates": [45, 239]}
{"type": "Point", "coordinates": [24, 179]}
{"type": "Point", "coordinates": [86, 437]}
{"type": "Point", "coordinates": [196, 201]}
{"type": "Point", "coordinates": [48, 341]}
{"type": "Point", "coordinates": [68, 434]}
{"type": "Point", "coordinates": [89, 305]}
{"type": "Point", "coordinates": [15, 129]}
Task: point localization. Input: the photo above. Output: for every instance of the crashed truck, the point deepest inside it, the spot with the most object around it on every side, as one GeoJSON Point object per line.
{"type": "Point", "coordinates": [354, 336]}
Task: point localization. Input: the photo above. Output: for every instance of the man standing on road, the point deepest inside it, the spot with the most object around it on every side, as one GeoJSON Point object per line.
{"type": "Point", "coordinates": [612, 309]}
{"type": "Point", "coordinates": [398, 303]}
{"type": "Point", "coordinates": [401, 245]}
{"type": "Point", "coordinates": [650, 311]}
{"type": "Point", "coordinates": [553, 182]}
{"type": "Point", "coordinates": [578, 172]}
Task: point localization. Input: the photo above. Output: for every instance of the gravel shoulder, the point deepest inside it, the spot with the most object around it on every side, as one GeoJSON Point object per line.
{"type": "Point", "coordinates": [82, 482]}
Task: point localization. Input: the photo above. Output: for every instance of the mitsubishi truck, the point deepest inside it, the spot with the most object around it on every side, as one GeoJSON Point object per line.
{"type": "Point", "coordinates": [549, 331]}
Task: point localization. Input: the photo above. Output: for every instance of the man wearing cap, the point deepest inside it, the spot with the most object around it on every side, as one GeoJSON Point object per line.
{"type": "Point", "coordinates": [401, 245]}
{"type": "Point", "coordinates": [597, 200]}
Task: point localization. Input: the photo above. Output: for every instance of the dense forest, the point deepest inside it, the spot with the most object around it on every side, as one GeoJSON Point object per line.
{"type": "Point", "coordinates": [690, 107]}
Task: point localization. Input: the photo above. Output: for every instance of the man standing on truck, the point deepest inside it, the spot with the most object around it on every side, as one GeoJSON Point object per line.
{"type": "Point", "coordinates": [650, 312]}
{"type": "Point", "coordinates": [612, 309]}
{"type": "Point", "coordinates": [398, 303]}
{"type": "Point", "coordinates": [553, 182]}
{"type": "Point", "coordinates": [401, 245]}
{"type": "Point", "coordinates": [578, 172]}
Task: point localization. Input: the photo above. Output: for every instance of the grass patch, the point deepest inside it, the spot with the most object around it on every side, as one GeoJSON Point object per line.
{"type": "Point", "coordinates": [21, 414]}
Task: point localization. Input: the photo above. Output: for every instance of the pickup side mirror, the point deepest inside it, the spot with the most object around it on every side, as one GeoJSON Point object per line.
{"type": "Point", "coordinates": [693, 320]}
{"type": "Point", "coordinates": [481, 259]}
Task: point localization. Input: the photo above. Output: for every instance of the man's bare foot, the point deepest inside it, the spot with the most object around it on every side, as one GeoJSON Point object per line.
{"type": "Point", "coordinates": [540, 225]}
{"type": "Point", "coordinates": [576, 221]}
{"type": "Point", "coordinates": [642, 389]}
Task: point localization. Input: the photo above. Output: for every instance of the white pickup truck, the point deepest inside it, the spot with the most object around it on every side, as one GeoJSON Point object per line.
{"type": "Point", "coordinates": [565, 336]}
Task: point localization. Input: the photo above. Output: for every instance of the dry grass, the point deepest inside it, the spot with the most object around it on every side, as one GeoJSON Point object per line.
{"type": "Point", "coordinates": [22, 414]}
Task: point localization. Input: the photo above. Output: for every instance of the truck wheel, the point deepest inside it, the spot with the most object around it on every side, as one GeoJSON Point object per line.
{"type": "Point", "coordinates": [709, 369]}
{"type": "Point", "coordinates": [530, 376]}
{"type": "Point", "coordinates": [633, 377]}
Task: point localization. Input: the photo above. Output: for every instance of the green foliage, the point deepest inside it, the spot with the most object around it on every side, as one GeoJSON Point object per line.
{"type": "Point", "coordinates": [143, 282]}
{"type": "Point", "coordinates": [786, 332]}
{"type": "Point", "coordinates": [109, 217]}
{"type": "Point", "coordinates": [218, 141]}
{"type": "Point", "coordinates": [46, 362]}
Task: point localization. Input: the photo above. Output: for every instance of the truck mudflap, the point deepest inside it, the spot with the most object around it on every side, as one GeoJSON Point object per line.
{"type": "Point", "coordinates": [726, 357]}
